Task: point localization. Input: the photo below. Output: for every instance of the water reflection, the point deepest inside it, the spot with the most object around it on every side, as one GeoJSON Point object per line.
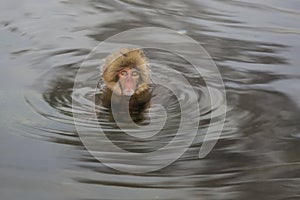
{"type": "Point", "coordinates": [256, 49]}
{"type": "Point", "coordinates": [247, 125]}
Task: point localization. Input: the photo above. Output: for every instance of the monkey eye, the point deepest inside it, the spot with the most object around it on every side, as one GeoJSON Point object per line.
{"type": "Point", "coordinates": [123, 73]}
{"type": "Point", "coordinates": [134, 73]}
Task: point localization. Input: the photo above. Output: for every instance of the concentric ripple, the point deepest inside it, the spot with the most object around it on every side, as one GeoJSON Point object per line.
{"type": "Point", "coordinates": [174, 109]}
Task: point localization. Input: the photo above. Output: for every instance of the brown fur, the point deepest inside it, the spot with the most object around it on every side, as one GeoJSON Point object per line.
{"type": "Point", "coordinates": [140, 100]}
{"type": "Point", "coordinates": [132, 58]}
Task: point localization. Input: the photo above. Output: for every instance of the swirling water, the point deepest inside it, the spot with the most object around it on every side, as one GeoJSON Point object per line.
{"type": "Point", "coordinates": [255, 46]}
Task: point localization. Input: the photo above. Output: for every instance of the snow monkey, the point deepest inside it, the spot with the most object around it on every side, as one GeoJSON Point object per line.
{"type": "Point", "coordinates": [126, 74]}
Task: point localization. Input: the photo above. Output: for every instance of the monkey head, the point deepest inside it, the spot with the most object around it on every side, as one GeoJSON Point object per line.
{"type": "Point", "coordinates": [126, 72]}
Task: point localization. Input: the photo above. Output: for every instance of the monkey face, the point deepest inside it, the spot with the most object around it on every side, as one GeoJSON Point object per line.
{"type": "Point", "coordinates": [127, 72]}
{"type": "Point", "coordinates": [128, 80]}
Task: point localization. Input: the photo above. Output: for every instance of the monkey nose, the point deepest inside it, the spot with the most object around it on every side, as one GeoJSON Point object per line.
{"type": "Point", "coordinates": [129, 87]}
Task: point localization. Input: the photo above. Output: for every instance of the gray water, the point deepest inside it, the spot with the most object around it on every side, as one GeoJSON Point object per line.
{"type": "Point", "coordinates": [256, 46]}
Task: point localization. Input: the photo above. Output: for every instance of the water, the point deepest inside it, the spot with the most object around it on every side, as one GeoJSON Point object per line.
{"type": "Point", "coordinates": [256, 48]}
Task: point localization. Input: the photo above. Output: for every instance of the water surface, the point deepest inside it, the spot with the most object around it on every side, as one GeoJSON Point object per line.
{"type": "Point", "coordinates": [256, 48]}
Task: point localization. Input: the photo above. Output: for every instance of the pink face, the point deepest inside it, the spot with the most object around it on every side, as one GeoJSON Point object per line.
{"type": "Point", "coordinates": [128, 78]}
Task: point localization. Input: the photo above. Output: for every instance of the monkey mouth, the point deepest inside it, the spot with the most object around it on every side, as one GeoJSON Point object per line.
{"type": "Point", "coordinates": [128, 92]}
